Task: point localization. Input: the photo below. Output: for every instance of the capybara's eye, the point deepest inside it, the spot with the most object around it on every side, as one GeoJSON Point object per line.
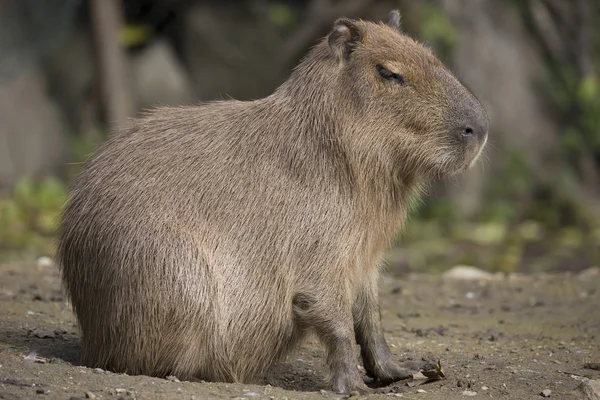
{"type": "Point", "coordinates": [389, 75]}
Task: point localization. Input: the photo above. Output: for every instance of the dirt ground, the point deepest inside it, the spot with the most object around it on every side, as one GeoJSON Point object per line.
{"type": "Point", "coordinates": [510, 337]}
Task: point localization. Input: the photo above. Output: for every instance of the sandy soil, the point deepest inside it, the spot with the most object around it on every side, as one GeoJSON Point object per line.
{"type": "Point", "coordinates": [511, 337]}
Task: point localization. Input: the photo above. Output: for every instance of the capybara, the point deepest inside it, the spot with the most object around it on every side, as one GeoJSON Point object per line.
{"type": "Point", "coordinates": [205, 241]}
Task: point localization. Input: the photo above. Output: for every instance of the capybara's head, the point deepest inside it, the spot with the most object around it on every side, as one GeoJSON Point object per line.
{"type": "Point", "coordinates": [413, 102]}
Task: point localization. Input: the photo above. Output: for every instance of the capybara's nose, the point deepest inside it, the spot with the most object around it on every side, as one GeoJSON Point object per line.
{"type": "Point", "coordinates": [467, 131]}
{"type": "Point", "coordinates": [477, 129]}
{"type": "Point", "coordinates": [475, 122]}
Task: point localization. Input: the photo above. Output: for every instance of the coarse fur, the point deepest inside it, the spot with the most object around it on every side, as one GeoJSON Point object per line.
{"type": "Point", "coordinates": [204, 242]}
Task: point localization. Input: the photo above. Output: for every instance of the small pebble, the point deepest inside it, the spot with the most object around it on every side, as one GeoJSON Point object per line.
{"type": "Point", "coordinates": [90, 395]}
{"type": "Point", "coordinates": [44, 262]}
{"type": "Point", "coordinates": [469, 393]}
{"type": "Point", "coordinates": [484, 388]}
{"type": "Point", "coordinates": [592, 365]}
{"type": "Point", "coordinates": [421, 391]}
{"type": "Point", "coordinates": [354, 394]}
{"type": "Point", "coordinates": [546, 393]}
{"type": "Point", "coordinates": [173, 378]}
{"type": "Point", "coordinates": [467, 273]}
{"type": "Point", "coordinates": [251, 394]}
{"type": "Point", "coordinates": [591, 389]}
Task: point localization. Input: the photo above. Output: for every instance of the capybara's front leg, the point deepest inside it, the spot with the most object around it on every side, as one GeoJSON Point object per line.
{"type": "Point", "coordinates": [331, 317]}
{"type": "Point", "coordinates": [376, 355]}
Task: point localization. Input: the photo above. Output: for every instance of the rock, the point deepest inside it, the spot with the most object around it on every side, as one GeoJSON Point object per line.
{"type": "Point", "coordinates": [119, 391]}
{"type": "Point", "coordinates": [592, 365]}
{"type": "Point", "coordinates": [44, 262]}
{"type": "Point", "coordinates": [251, 394]}
{"type": "Point", "coordinates": [493, 335]}
{"type": "Point", "coordinates": [469, 393]}
{"type": "Point", "coordinates": [546, 393]}
{"type": "Point", "coordinates": [409, 315]}
{"type": "Point", "coordinates": [172, 378]}
{"type": "Point", "coordinates": [35, 358]}
{"type": "Point", "coordinates": [41, 333]}
{"type": "Point", "coordinates": [589, 273]}
{"type": "Point", "coordinates": [466, 273]}
{"type": "Point", "coordinates": [90, 395]}
{"type": "Point", "coordinates": [159, 77]}
{"type": "Point", "coordinates": [30, 146]}
{"type": "Point", "coordinates": [590, 389]}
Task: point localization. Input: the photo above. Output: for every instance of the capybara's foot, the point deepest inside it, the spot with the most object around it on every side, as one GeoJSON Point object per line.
{"type": "Point", "coordinates": [348, 383]}
{"type": "Point", "coordinates": [393, 371]}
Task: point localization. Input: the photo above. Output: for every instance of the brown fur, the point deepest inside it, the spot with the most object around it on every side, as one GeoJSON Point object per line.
{"type": "Point", "coordinates": [204, 242]}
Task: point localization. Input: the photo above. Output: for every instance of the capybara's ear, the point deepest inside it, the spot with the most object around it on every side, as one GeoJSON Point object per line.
{"type": "Point", "coordinates": [395, 20]}
{"type": "Point", "coordinates": [343, 38]}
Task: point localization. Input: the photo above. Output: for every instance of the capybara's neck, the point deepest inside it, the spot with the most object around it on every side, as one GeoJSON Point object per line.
{"type": "Point", "coordinates": [323, 112]}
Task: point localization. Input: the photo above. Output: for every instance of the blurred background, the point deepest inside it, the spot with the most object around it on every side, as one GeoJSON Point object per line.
{"type": "Point", "coordinates": [71, 69]}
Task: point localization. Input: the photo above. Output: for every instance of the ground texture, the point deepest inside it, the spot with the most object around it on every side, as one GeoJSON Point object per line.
{"type": "Point", "coordinates": [509, 337]}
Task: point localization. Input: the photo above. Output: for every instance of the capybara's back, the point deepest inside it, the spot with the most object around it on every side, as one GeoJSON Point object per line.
{"type": "Point", "coordinates": [153, 253]}
{"type": "Point", "coordinates": [203, 242]}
